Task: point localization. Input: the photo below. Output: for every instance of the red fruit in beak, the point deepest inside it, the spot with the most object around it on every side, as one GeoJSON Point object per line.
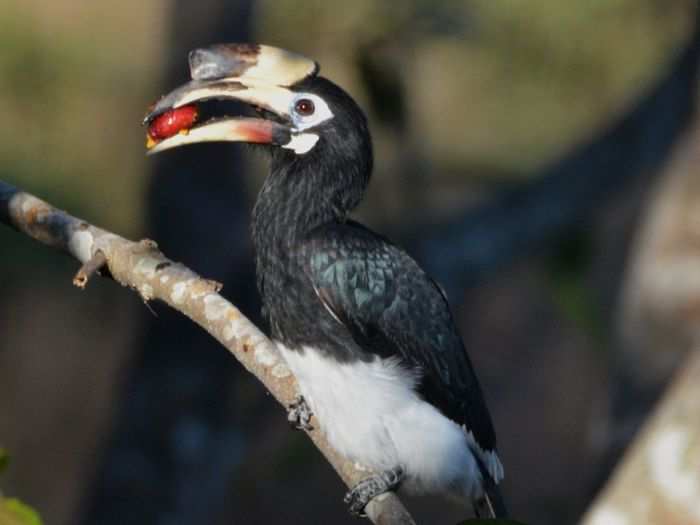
{"type": "Point", "coordinates": [171, 123]}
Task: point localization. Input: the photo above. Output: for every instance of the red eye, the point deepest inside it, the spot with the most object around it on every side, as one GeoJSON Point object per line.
{"type": "Point", "coordinates": [304, 107]}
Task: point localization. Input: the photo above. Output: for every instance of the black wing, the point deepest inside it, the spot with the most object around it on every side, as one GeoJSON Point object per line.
{"type": "Point", "coordinates": [391, 307]}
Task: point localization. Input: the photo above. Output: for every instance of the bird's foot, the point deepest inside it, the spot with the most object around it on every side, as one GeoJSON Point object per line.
{"type": "Point", "coordinates": [299, 414]}
{"type": "Point", "coordinates": [361, 494]}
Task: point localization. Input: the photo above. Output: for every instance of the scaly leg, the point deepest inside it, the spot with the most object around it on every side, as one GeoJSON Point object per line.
{"type": "Point", "coordinates": [362, 493]}
{"type": "Point", "coordinates": [299, 414]}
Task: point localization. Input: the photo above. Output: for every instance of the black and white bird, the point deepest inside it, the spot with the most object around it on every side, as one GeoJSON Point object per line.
{"type": "Point", "coordinates": [368, 335]}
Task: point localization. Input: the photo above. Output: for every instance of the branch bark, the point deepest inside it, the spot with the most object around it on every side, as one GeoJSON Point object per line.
{"type": "Point", "coordinates": [143, 268]}
{"type": "Point", "coordinates": [658, 480]}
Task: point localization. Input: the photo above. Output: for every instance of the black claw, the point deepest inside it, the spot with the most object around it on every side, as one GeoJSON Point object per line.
{"type": "Point", "coordinates": [361, 494]}
{"type": "Point", "coordinates": [299, 414]}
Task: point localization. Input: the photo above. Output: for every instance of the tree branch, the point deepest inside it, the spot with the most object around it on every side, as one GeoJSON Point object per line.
{"type": "Point", "coordinates": [142, 267]}
{"type": "Point", "coordinates": [658, 480]}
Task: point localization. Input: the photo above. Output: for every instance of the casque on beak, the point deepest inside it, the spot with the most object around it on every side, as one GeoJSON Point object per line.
{"type": "Point", "coordinates": [256, 75]}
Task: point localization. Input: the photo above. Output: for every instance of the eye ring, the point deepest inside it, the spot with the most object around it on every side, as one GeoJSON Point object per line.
{"type": "Point", "coordinates": [304, 107]}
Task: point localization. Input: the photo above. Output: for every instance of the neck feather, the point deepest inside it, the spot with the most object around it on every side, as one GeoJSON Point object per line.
{"type": "Point", "coordinates": [298, 196]}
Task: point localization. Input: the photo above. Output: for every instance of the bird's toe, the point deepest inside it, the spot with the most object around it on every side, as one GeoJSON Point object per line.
{"type": "Point", "coordinates": [299, 414]}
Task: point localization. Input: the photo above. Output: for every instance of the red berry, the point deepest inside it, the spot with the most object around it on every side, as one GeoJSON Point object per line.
{"type": "Point", "coordinates": [172, 122]}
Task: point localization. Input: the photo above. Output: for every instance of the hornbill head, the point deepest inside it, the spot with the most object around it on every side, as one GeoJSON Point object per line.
{"type": "Point", "coordinates": [306, 118]}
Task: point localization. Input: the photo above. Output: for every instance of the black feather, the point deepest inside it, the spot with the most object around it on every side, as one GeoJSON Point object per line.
{"type": "Point", "coordinates": [332, 284]}
{"type": "Point", "coordinates": [392, 308]}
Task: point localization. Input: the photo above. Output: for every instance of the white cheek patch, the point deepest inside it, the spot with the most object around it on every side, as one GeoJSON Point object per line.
{"type": "Point", "coordinates": [302, 143]}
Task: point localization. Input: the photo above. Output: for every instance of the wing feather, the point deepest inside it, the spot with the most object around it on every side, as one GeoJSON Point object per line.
{"type": "Point", "coordinates": [392, 308]}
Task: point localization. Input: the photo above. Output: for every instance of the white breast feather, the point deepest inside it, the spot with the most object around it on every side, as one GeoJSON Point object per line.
{"type": "Point", "coordinates": [370, 413]}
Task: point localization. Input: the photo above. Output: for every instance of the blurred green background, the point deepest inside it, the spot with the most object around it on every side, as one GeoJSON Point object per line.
{"type": "Point", "coordinates": [500, 84]}
{"type": "Point", "coordinates": [494, 90]}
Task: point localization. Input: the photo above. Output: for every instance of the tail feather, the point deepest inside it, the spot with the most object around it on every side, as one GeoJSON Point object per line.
{"type": "Point", "coordinates": [491, 504]}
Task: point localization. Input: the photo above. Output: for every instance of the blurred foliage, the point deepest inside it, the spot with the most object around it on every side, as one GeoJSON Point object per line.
{"type": "Point", "coordinates": [13, 511]}
{"type": "Point", "coordinates": [488, 88]}
{"type": "Point", "coordinates": [567, 270]}
{"type": "Point", "coordinates": [71, 101]}
{"type": "Point", "coordinates": [495, 82]}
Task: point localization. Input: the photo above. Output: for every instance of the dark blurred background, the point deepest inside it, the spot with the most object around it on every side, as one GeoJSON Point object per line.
{"type": "Point", "coordinates": [516, 147]}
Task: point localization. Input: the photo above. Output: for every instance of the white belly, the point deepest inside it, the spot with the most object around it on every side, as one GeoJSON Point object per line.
{"type": "Point", "coordinates": [370, 413]}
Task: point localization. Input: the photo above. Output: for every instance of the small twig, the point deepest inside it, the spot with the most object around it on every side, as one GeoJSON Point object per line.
{"type": "Point", "coordinates": [87, 270]}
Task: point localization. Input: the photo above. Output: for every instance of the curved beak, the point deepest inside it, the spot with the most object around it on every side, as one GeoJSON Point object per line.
{"type": "Point", "coordinates": [256, 75]}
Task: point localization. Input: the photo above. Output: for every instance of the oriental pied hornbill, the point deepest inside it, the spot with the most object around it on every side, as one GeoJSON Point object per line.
{"type": "Point", "coordinates": [368, 335]}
